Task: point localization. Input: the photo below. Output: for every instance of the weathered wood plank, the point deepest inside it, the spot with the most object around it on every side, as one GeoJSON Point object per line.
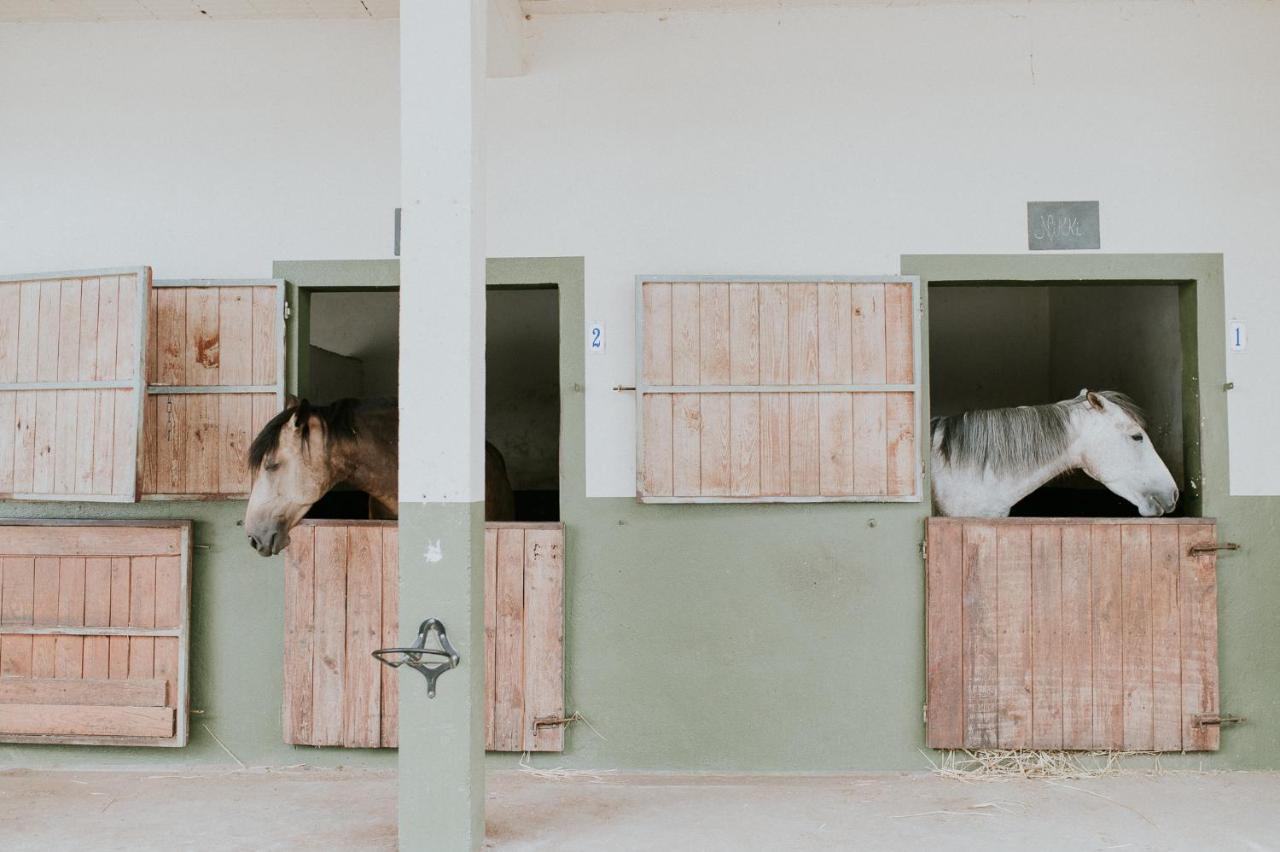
{"type": "Point", "coordinates": [713, 333]}
{"type": "Point", "coordinates": [168, 649]}
{"type": "Point", "coordinates": [118, 654]}
{"type": "Point", "coordinates": [124, 467]}
{"type": "Point", "coordinates": [299, 633]}
{"type": "Point", "coordinates": [1166, 651]}
{"type": "Point", "coordinates": [775, 444]}
{"type": "Point", "coordinates": [802, 333]}
{"type": "Point", "coordinates": [202, 346]}
{"type": "Point", "coordinates": [543, 638]}
{"type": "Point", "coordinates": [1108, 639]}
{"type": "Point", "coordinates": [390, 631]}
{"type": "Point", "coordinates": [870, 445]}
{"type": "Point", "coordinates": [1139, 712]}
{"type": "Point", "coordinates": [656, 298]}
{"type": "Point", "coordinates": [1198, 632]}
{"type": "Point", "coordinates": [77, 540]}
{"type": "Point", "coordinates": [17, 594]}
{"type": "Point", "coordinates": [900, 437]}
{"type": "Point", "coordinates": [235, 417]}
{"type": "Point", "coordinates": [235, 336]}
{"type": "Point", "coordinates": [835, 330]}
{"type": "Point", "coordinates": [267, 337]}
{"type": "Point", "coordinates": [1046, 637]}
{"type": "Point", "coordinates": [87, 690]}
{"type": "Point", "coordinates": [97, 613]}
{"type": "Point", "coordinates": [944, 641]}
{"type": "Point", "coordinates": [744, 415]}
{"type": "Point", "coordinates": [204, 444]}
{"type": "Point", "coordinates": [981, 657]}
{"type": "Point", "coordinates": [171, 336]}
{"type": "Point", "coordinates": [899, 335]}
{"type": "Point", "coordinates": [868, 333]}
{"type": "Point", "coordinates": [361, 722]}
{"type": "Point", "coordinates": [1077, 642]}
{"type": "Point", "coordinates": [804, 445]}
{"type": "Point", "coordinates": [68, 651]}
{"type": "Point", "coordinates": [836, 443]}
{"type": "Point", "coordinates": [490, 632]}
{"type": "Point", "coordinates": [744, 334]}
{"type": "Point", "coordinates": [686, 444]}
{"type": "Point", "coordinates": [509, 696]}
{"type": "Point", "coordinates": [45, 614]}
{"type": "Point", "coordinates": [775, 348]}
{"type": "Point", "coordinates": [656, 467]}
{"type": "Point", "coordinates": [685, 334]}
{"type": "Point", "coordinates": [1013, 623]}
{"type": "Point", "coordinates": [85, 720]}
{"type": "Point", "coordinates": [714, 449]}
{"type": "Point", "coordinates": [172, 433]}
{"type": "Point", "coordinates": [329, 648]}
{"type": "Point", "coordinates": [142, 613]}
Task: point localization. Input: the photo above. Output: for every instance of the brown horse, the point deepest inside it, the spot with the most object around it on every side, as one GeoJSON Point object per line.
{"type": "Point", "coordinates": [306, 450]}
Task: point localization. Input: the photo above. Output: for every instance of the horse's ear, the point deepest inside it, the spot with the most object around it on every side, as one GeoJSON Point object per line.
{"type": "Point", "coordinates": [1094, 400]}
{"type": "Point", "coordinates": [302, 414]}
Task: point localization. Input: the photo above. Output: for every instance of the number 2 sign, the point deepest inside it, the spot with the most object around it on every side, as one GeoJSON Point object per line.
{"type": "Point", "coordinates": [595, 337]}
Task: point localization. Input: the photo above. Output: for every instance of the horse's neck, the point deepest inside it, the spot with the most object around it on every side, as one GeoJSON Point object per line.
{"type": "Point", "coordinates": [370, 464]}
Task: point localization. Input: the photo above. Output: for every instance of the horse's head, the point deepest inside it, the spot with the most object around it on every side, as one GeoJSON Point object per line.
{"type": "Point", "coordinates": [291, 471]}
{"type": "Point", "coordinates": [1116, 451]}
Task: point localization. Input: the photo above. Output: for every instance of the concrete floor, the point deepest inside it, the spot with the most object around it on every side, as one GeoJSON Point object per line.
{"type": "Point", "coordinates": [350, 810]}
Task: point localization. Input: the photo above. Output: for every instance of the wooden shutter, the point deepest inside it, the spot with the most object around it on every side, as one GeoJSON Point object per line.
{"type": "Point", "coordinates": [1071, 634]}
{"type": "Point", "coordinates": [754, 390]}
{"type": "Point", "coordinates": [93, 632]}
{"type": "Point", "coordinates": [71, 384]}
{"type": "Point", "coordinates": [341, 580]}
{"type": "Point", "coordinates": [215, 376]}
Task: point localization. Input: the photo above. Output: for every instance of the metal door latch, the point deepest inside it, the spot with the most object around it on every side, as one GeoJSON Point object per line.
{"type": "Point", "coordinates": [1210, 548]}
{"type": "Point", "coordinates": [412, 656]}
{"type": "Point", "coordinates": [1215, 720]}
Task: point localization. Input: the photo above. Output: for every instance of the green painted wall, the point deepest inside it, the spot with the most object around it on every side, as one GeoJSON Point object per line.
{"type": "Point", "coordinates": [771, 638]}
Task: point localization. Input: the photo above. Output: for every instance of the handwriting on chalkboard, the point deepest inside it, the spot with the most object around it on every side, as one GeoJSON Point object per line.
{"type": "Point", "coordinates": [1063, 225]}
{"type": "Point", "coordinates": [1050, 227]}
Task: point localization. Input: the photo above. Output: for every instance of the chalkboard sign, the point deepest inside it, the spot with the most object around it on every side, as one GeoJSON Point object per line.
{"type": "Point", "coordinates": [1058, 225]}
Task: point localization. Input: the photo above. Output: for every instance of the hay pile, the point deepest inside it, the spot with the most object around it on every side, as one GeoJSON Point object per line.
{"type": "Point", "coordinates": [1000, 765]}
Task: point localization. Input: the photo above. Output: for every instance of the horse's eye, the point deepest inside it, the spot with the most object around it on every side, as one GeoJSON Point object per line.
{"type": "Point", "coordinates": [1137, 438]}
{"type": "Point", "coordinates": [270, 466]}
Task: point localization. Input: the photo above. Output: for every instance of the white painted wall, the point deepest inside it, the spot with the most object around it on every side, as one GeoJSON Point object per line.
{"type": "Point", "coordinates": [204, 150]}
{"type": "Point", "coordinates": [835, 140]}
{"type": "Point", "coordinates": [808, 140]}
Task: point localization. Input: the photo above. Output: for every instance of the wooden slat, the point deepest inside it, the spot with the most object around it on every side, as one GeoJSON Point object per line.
{"type": "Point", "coordinates": [1166, 656]}
{"type": "Point", "coordinates": [109, 326]}
{"type": "Point", "coordinates": [1139, 712]}
{"type": "Point", "coordinates": [111, 693]}
{"type": "Point", "coordinates": [870, 445]}
{"type": "Point", "coordinates": [899, 343]}
{"type": "Point", "coordinates": [299, 633]}
{"type": "Point", "coordinates": [775, 444]}
{"type": "Point", "coordinates": [142, 613]}
{"type": "Point", "coordinates": [69, 650]}
{"type": "Point", "coordinates": [86, 720]}
{"type": "Point", "coordinates": [97, 613]}
{"type": "Point", "coordinates": [203, 444]}
{"type": "Point", "coordinates": [150, 453]}
{"type": "Point", "coordinates": [24, 440]}
{"type": "Point", "coordinates": [1198, 605]}
{"type": "Point", "coordinates": [362, 689]}
{"type": "Point", "coordinates": [17, 589]}
{"type": "Point", "coordinates": [490, 632]}
{"type": "Point", "coordinates": [267, 338]}
{"type": "Point", "coordinates": [900, 434]}
{"type": "Point", "coordinates": [835, 328]}
{"type": "Point", "coordinates": [44, 614]}
{"type": "Point", "coordinates": [118, 653]}
{"type": "Point", "coordinates": [124, 471]}
{"type": "Point", "coordinates": [686, 444]}
{"type": "Point", "coordinates": [390, 629]}
{"type": "Point", "coordinates": [172, 434]}
{"type": "Point", "coordinates": [714, 447]}
{"type": "Point", "coordinates": [169, 605]}
{"type": "Point", "coordinates": [87, 540]}
{"type": "Point", "coordinates": [235, 336]}
{"type": "Point", "coordinates": [713, 337]}
{"type": "Point", "coordinates": [868, 333]}
{"type": "Point", "coordinates": [804, 445]}
{"type": "Point", "coordinates": [45, 441]}
{"type": "Point", "coordinates": [202, 345]}
{"type": "Point", "coordinates": [944, 633]}
{"type": "Point", "coordinates": [744, 334]}
{"type": "Point", "coordinates": [329, 649]}
{"type": "Point", "coordinates": [655, 468]}
{"type": "Point", "coordinates": [1013, 643]}
{"type": "Point", "coordinates": [1108, 639]}
{"type": "Point", "coordinates": [744, 415]}
{"type": "Point", "coordinates": [656, 298]}
{"type": "Point", "coordinates": [86, 401]}
{"type": "Point", "coordinates": [1046, 637]}
{"type": "Point", "coordinates": [685, 348]}
{"type": "Point", "coordinates": [836, 443]}
{"type": "Point", "coordinates": [508, 716]}
{"type": "Point", "coordinates": [980, 581]}
{"type": "Point", "coordinates": [104, 417]}
{"type": "Point", "coordinates": [543, 638]}
{"type": "Point", "coordinates": [1077, 641]}
{"type": "Point", "coordinates": [775, 349]}
{"type": "Point", "coordinates": [802, 333]}
{"type": "Point", "coordinates": [235, 417]}
{"type": "Point", "coordinates": [171, 336]}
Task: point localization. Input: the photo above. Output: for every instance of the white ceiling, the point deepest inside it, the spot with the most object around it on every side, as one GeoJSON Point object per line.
{"type": "Point", "coordinates": [189, 10]}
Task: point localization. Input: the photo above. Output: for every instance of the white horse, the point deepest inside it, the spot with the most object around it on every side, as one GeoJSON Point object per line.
{"type": "Point", "coordinates": [986, 461]}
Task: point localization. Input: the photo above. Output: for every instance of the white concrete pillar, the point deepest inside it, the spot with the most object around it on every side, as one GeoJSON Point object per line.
{"type": "Point", "coordinates": [442, 303]}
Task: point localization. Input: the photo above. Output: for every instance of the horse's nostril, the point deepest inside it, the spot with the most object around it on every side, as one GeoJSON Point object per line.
{"type": "Point", "coordinates": [254, 543]}
{"type": "Point", "coordinates": [271, 543]}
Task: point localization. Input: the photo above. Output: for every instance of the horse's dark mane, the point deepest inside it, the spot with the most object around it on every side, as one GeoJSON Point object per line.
{"type": "Point", "coordinates": [337, 420]}
{"type": "Point", "coordinates": [1007, 440]}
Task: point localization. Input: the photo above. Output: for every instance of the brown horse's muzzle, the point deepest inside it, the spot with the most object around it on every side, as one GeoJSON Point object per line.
{"type": "Point", "coordinates": [268, 542]}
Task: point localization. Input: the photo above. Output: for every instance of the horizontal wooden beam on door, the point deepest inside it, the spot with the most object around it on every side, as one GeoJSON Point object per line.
{"type": "Point", "coordinates": [696, 389]}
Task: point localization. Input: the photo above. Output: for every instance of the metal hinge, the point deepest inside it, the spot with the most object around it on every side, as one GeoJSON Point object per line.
{"type": "Point", "coordinates": [288, 312]}
{"type": "Point", "coordinates": [924, 549]}
{"type": "Point", "coordinates": [1215, 720]}
{"type": "Point", "coordinates": [924, 714]}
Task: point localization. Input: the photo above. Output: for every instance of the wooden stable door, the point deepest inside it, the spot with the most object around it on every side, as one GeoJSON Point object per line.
{"type": "Point", "coordinates": [341, 603]}
{"type": "Point", "coordinates": [71, 384]}
{"type": "Point", "coordinates": [777, 390]}
{"type": "Point", "coordinates": [93, 632]}
{"type": "Point", "coordinates": [1072, 634]}
{"type": "Point", "coordinates": [215, 376]}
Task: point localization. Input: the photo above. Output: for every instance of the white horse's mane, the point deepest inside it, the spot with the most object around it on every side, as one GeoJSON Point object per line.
{"type": "Point", "coordinates": [1011, 440]}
